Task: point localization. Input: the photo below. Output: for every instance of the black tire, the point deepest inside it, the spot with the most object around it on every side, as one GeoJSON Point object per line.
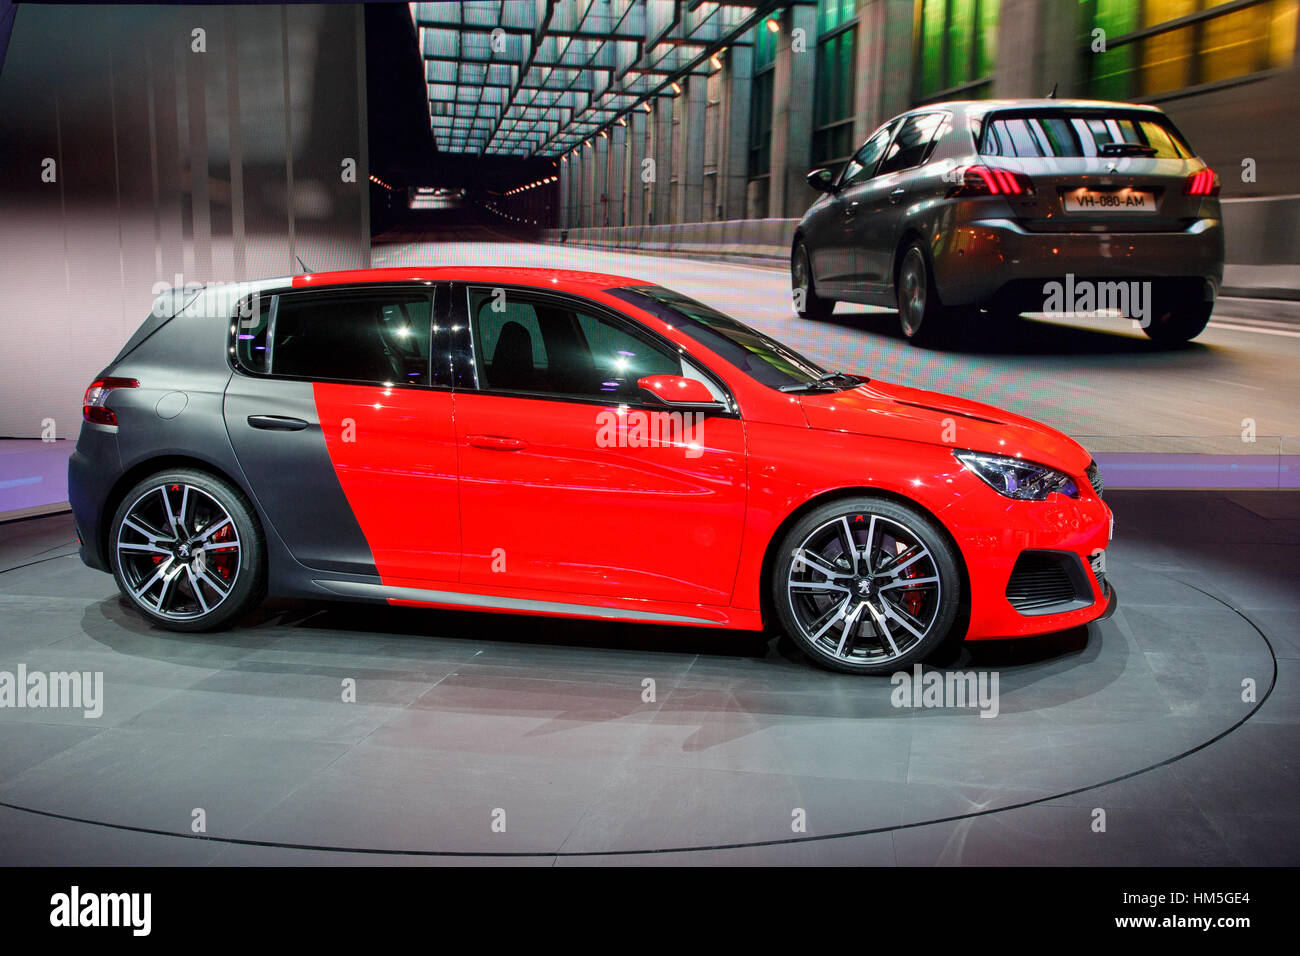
{"type": "Point", "coordinates": [190, 567]}
{"type": "Point", "coordinates": [800, 606]}
{"type": "Point", "coordinates": [807, 303]}
{"type": "Point", "coordinates": [921, 316]}
{"type": "Point", "coordinates": [1181, 323]}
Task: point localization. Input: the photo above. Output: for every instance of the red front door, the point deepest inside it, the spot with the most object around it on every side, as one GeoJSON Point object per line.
{"type": "Point", "coordinates": [581, 498]}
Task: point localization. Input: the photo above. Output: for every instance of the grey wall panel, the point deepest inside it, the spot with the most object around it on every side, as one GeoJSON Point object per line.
{"type": "Point", "coordinates": [218, 165]}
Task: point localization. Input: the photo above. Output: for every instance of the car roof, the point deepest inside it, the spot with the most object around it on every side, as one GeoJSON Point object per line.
{"type": "Point", "coordinates": [218, 298]}
{"type": "Point", "coordinates": [567, 279]}
{"type": "Point", "coordinates": [989, 106]}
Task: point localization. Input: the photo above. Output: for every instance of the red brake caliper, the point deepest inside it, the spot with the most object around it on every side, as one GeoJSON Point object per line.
{"type": "Point", "coordinates": [222, 559]}
{"type": "Point", "coordinates": [912, 597]}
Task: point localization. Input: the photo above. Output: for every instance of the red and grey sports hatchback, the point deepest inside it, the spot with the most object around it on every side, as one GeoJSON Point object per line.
{"type": "Point", "coordinates": [571, 444]}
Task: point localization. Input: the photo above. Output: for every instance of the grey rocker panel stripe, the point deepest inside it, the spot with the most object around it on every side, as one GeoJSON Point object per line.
{"type": "Point", "coordinates": [363, 589]}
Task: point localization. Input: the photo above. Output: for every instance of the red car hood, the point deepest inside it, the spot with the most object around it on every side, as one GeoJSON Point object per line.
{"type": "Point", "coordinates": [913, 414]}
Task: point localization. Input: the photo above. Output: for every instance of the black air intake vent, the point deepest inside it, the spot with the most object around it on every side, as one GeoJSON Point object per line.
{"type": "Point", "coordinates": [1048, 582]}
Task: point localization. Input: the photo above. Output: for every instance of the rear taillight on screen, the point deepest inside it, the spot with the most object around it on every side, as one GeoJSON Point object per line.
{"type": "Point", "coordinates": [988, 181]}
{"type": "Point", "coordinates": [92, 406]}
{"type": "Point", "coordinates": [1204, 183]}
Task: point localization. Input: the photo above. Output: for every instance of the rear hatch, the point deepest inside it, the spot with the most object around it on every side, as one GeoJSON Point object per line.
{"type": "Point", "coordinates": [1098, 169]}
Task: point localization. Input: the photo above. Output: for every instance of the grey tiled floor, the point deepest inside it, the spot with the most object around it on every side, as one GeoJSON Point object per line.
{"type": "Point", "coordinates": [462, 719]}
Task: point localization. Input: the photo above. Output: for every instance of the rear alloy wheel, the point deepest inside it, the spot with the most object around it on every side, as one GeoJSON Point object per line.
{"type": "Point", "coordinates": [866, 585]}
{"type": "Point", "coordinates": [920, 313]}
{"type": "Point", "coordinates": [1182, 323]}
{"type": "Point", "coordinates": [187, 551]}
{"type": "Point", "coordinates": [807, 303]}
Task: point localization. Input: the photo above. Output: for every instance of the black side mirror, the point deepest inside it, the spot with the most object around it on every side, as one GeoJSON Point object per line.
{"type": "Point", "coordinates": [822, 180]}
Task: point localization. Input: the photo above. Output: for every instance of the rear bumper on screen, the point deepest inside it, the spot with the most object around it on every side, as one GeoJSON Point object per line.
{"type": "Point", "coordinates": [997, 260]}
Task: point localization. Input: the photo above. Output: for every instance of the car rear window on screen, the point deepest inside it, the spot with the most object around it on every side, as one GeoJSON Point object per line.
{"type": "Point", "coordinates": [1077, 133]}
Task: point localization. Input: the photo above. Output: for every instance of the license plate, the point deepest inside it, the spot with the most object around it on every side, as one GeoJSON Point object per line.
{"type": "Point", "coordinates": [1109, 200]}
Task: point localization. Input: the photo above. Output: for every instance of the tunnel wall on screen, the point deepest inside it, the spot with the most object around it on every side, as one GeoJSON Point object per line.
{"type": "Point", "coordinates": [134, 154]}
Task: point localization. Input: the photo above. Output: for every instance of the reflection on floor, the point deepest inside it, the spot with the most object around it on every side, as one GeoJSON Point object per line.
{"type": "Point", "coordinates": [465, 721]}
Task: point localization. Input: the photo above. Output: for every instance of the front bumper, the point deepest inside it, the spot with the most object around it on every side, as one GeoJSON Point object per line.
{"type": "Point", "coordinates": [1073, 528]}
{"type": "Point", "coordinates": [984, 261]}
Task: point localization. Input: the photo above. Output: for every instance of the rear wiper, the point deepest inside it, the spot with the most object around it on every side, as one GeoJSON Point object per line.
{"type": "Point", "coordinates": [1126, 149]}
{"type": "Point", "coordinates": [831, 379]}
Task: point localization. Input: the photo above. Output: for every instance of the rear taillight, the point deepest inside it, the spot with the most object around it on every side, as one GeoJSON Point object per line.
{"type": "Point", "coordinates": [1204, 183]}
{"type": "Point", "coordinates": [92, 406]}
{"type": "Point", "coordinates": [988, 181]}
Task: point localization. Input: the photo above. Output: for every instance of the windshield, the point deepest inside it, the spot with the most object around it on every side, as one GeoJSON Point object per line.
{"type": "Point", "coordinates": [1074, 132]}
{"type": "Point", "coordinates": [754, 353]}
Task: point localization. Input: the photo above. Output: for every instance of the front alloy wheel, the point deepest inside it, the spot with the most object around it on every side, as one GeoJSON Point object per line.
{"type": "Point", "coordinates": [187, 551]}
{"type": "Point", "coordinates": [866, 586]}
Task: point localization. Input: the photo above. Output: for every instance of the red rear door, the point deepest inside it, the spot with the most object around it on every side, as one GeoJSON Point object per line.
{"type": "Point", "coordinates": [394, 453]}
{"type": "Point", "coordinates": [343, 380]}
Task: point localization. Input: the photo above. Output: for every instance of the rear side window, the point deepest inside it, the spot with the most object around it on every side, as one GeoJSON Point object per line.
{"type": "Point", "coordinates": [911, 147]}
{"type": "Point", "coordinates": [378, 339]}
{"type": "Point", "coordinates": [1063, 133]}
{"type": "Point", "coordinates": [252, 320]}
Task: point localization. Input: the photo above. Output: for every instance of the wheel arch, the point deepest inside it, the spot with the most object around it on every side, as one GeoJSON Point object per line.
{"type": "Point", "coordinates": [768, 612]}
{"type": "Point", "coordinates": [148, 466]}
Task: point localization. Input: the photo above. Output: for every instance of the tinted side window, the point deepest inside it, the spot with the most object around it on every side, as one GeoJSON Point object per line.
{"type": "Point", "coordinates": [762, 358]}
{"type": "Point", "coordinates": [617, 353]}
{"type": "Point", "coordinates": [496, 314]}
{"type": "Point", "coordinates": [376, 339]}
{"type": "Point", "coordinates": [252, 321]}
{"type": "Point", "coordinates": [912, 144]}
{"type": "Point", "coordinates": [538, 344]}
{"type": "Point", "coordinates": [863, 164]}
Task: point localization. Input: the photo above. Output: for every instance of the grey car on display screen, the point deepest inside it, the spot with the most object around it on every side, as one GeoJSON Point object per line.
{"type": "Point", "coordinates": [971, 212]}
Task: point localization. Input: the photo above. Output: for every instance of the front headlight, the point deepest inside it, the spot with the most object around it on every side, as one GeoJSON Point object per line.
{"type": "Point", "coordinates": [1017, 478]}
